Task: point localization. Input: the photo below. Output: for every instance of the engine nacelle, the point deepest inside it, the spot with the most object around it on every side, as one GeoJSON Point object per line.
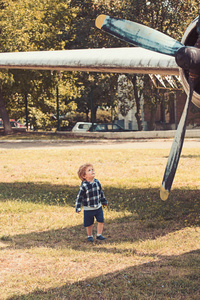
{"type": "Point", "coordinates": [189, 39]}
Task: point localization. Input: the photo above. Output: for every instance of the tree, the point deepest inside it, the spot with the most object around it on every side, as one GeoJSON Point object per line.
{"type": "Point", "coordinates": [138, 87]}
{"type": "Point", "coordinates": [152, 99]}
{"type": "Point", "coordinates": [130, 91]}
{"type": "Point", "coordinates": [125, 95]}
{"type": "Point", "coordinates": [28, 25]}
{"type": "Point", "coordinates": [84, 34]}
{"type": "Point", "coordinates": [4, 114]}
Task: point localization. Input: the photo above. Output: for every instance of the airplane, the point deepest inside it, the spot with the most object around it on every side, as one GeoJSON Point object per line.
{"type": "Point", "coordinates": [153, 53]}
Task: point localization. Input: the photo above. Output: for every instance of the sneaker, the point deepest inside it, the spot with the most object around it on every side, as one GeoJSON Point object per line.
{"type": "Point", "coordinates": [90, 239]}
{"type": "Point", "coordinates": [101, 238]}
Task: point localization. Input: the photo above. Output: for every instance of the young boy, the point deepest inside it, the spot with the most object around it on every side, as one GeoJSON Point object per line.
{"type": "Point", "coordinates": [91, 196]}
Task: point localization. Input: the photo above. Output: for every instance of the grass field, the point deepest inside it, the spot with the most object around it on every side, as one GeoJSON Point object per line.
{"type": "Point", "coordinates": [152, 250]}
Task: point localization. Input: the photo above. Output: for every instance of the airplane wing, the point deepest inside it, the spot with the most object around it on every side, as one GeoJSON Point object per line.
{"type": "Point", "coordinates": [109, 60]}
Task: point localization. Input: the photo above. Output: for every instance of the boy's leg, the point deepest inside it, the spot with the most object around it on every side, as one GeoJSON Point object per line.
{"type": "Point", "coordinates": [89, 230]}
{"type": "Point", "coordinates": [88, 223]}
{"type": "Point", "coordinates": [100, 220]}
{"type": "Point", "coordinates": [99, 228]}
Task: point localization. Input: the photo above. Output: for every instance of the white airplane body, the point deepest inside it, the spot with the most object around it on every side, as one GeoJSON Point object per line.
{"type": "Point", "coordinates": [112, 60]}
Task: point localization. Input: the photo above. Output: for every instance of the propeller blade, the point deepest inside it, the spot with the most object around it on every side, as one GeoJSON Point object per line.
{"type": "Point", "coordinates": [176, 148]}
{"type": "Point", "coordinates": [198, 25]}
{"type": "Point", "coordinates": [138, 35]}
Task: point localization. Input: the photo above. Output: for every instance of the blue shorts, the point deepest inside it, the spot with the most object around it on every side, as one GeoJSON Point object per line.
{"type": "Point", "coordinates": [90, 214]}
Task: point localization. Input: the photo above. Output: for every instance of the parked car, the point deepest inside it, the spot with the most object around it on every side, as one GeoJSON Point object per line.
{"type": "Point", "coordinates": [82, 127]}
{"type": "Point", "coordinates": [20, 125]}
{"type": "Point", "coordinates": [107, 128]}
{"type": "Point", "coordinates": [13, 123]}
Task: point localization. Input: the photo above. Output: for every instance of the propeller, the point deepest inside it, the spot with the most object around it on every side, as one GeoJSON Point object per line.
{"type": "Point", "coordinates": [176, 148]}
{"type": "Point", "coordinates": [138, 35]}
{"type": "Point", "coordinates": [187, 58]}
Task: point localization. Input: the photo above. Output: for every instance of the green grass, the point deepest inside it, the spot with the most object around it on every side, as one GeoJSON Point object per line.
{"type": "Point", "coordinates": [152, 247]}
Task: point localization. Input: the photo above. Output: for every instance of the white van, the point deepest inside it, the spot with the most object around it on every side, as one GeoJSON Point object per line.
{"type": "Point", "coordinates": [81, 127]}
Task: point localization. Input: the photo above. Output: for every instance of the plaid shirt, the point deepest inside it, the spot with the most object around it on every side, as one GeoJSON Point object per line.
{"type": "Point", "coordinates": [90, 195]}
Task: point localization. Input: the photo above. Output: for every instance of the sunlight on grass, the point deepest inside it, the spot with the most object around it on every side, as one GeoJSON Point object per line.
{"type": "Point", "coordinates": [152, 247]}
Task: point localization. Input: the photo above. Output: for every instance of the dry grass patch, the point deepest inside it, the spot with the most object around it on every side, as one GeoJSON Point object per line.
{"type": "Point", "coordinates": [152, 247]}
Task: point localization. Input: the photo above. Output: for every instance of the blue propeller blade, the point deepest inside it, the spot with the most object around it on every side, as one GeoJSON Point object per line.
{"type": "Point", "coordinates": [138, 35]}
{"type": "Point", "coordinates": [176, 149]}
{"type": "Point", "coordinates": [198, 25]}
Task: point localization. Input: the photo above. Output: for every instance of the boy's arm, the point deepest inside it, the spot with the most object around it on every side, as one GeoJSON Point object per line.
{"type": "Point", "coordinates": [79, 200]}
{"type": "Point", "coordinates": [103, 198]}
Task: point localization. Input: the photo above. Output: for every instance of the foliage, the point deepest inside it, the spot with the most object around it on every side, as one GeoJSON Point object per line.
{"type": "Point", "coordinates": [95, 90]}
{"type": "Point", "coordinates": [96, 87]}
{"type": "Point", "coordinates": [125, 95]}
{"type": "Point", "coordinates": [106, 115]}
{"type": "Point", "coordinates": [152, 98]}
{"type": "Point", "coordinates": [28, 25]}
{"type": "Point", "coordinates": [103, 115]}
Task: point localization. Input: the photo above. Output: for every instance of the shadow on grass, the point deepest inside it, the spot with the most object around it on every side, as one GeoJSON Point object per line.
{"type": "Point", "coordinates": [175, 277]}
{"type": "Point", "coordinates": [183, 206]}
{"type": "Point", "coordinates": [117, 231]}
{"type": "Point", "coordinates": [39, 192]}
{"type": "Point", "coordinates": [148, 217]}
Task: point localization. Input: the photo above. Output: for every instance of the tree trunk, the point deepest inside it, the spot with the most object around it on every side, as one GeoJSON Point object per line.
{"type": "Point", "coordinates": [87, 115]}
{"type": "Point", "coordinates": [5, 117]}
{"type": "Point", "coordinates": [138, 115]}
{"type": "Point", "coordinates": [95, 113]}
{"type": "Point", "coordinates": [152, 125]}
{"type": "Point", "coordinates": [139, 119]}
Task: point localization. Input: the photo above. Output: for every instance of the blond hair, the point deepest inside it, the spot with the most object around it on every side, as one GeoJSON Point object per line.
{"type": "Point", "coordinates": [82, 169]}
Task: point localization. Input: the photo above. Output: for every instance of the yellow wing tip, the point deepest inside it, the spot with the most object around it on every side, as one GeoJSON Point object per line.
{"type": "Point", "coordinates": [163, 194]}
{"type": "Point", "coordinates": [99, 21]}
